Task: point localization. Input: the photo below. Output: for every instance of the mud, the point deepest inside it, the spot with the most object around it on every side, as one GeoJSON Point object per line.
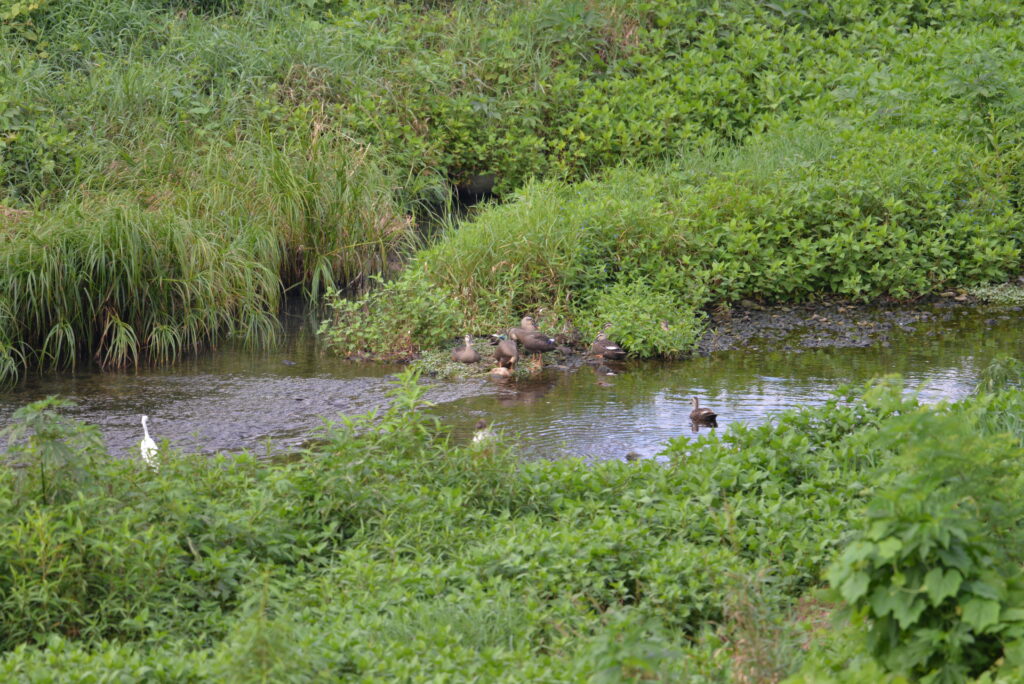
{"type": "Point", "coordinates": [825, 324]}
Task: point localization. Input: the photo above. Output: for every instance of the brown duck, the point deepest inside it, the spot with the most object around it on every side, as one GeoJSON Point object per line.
{"type": "Point", "coordinates": [506, 353]}
{"type": "Point", "coordinates": [466, 353]}
{"type": "Point", "coordinates": [534, 341]}
{"type": "Point", "coordinates": [605, 348]}
{"type": "Point", "coordinates": [702, 416]}
{"type": "Point", "coordinates": [526, 325]}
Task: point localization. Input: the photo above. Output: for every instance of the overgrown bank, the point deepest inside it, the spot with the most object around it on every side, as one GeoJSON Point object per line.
{"type": "Point", "coordinates": [794, 214]}
{"type": "Point", "coordinates": [219, 152]}
{"type": "Point", "coordinates": [389, 552]}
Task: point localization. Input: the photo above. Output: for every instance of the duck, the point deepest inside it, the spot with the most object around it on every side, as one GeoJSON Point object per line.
{"type": "Point", "coordinates": [535, 342]}
{"type": "Point", "coordinates": [482, 433]}
{"type": "Point", "coordinates": [702, 416]}
{"type": "Point", "coordinates": [526, 325]}
{"type": "Point", "coordinates": [506, 353]}
{"type": "Point", "coordinates": [466, 353]}
{"type": "Point", "coordinates": [605, 348]}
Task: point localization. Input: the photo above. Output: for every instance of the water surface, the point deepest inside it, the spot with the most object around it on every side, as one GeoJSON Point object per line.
{"type": "Point", "coordinates": [233, 399]}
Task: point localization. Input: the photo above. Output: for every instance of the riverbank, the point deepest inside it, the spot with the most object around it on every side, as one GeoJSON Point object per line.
{"type": "Point", "coordinates": [169, 170]}
{"type": "Point", "coordinates": [386, 552]}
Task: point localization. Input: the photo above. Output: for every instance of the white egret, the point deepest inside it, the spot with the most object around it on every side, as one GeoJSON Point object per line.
{"type": "Point", "coordinates": [147, 448]}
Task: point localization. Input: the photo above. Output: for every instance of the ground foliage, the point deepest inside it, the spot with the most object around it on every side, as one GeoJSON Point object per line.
{"type": "Point", "coordinates": [252, 146]}
{"type": "Point", "coordinates": [389, 552]}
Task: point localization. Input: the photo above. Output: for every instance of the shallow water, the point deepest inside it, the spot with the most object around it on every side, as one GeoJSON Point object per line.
{"type": "Point", "coordinates": [232, 399]}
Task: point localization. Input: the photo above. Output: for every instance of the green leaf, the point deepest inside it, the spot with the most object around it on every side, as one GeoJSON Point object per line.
{"type": "Point", "coordinates": [981, 613]}
{"type": "Point", "coordinates": [1014, 652]}
{"type": "Point", "coordinates": [906, 610]}
{"type": "Point", "coordinates": [855, 586]}
{"type": "Point", "coordinates": [888, 548]}
{"type": "Point", "coordinates": [941, 585]}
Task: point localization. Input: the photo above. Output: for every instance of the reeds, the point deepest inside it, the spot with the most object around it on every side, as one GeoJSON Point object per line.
{"type": "Point", "coordinates": [165, 270]}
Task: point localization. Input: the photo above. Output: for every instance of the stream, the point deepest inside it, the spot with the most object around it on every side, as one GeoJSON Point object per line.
{"type": "Point", "coordinates": [269, 402]}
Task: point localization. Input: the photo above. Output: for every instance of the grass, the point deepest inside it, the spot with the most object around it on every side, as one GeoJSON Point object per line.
{"type": "Point", "coordinates": [150, 274]}
{"type": "Point", "coordinates": [299, 138]}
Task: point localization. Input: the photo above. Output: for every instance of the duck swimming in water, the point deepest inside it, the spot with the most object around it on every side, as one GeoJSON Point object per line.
{"type": "Point", "coordinates": [702, 416]}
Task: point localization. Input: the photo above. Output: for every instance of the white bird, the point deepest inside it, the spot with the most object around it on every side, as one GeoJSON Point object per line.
{"type": "Point", "coordinates": [147, 448]}
{"type": "Point", "coordinates": [483, 433]}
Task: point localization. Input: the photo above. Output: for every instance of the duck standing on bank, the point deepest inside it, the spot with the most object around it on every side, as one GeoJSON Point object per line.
{"type": "Point", "coordinates": [702, 415]}
{"type": "Point", "coordinates": [466, 353]}
{"type": "Point", "coordinates": [526, 325]}
{"type": "Point", "coordinates": [534, 341]}
{"type": "Point", "coordinates": [506, 353]}
{"type": "Point", "coordinates": [606, 349]}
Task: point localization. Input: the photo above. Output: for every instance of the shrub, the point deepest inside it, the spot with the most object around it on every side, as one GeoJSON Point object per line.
{"type": "Point", "coordinates": [391, 322]}
{"type": "Point", "coordinates": [932, 565]}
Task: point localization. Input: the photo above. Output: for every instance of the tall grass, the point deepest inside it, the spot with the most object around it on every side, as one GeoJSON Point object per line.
{"type": "Point", "coordinates": [167, 268]}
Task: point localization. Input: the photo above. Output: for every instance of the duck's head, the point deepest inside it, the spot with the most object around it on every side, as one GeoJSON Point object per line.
{"type": "Point", "coordinates": [695, 403]}
{"type": "Point", "coordinates": [528, 323]}
{"type": "Point", "coordinates": [469, 341]}
{"type": "Point", "coordinates": [481, 424]}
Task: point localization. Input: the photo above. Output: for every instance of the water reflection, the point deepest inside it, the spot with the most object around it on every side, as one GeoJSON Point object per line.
{"type": "Point", "coordinates": [234, 399]}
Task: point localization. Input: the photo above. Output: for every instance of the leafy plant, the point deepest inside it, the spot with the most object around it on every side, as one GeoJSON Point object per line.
{"type": "Point", "coordinates": [54, 458]}
{"type": "Point", "coordinates": [393, 321]}
{"type": "Point", "coordinates": [931, 566]}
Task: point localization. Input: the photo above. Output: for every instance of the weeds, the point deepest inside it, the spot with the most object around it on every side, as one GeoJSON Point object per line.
{"type": "Point", "coordinates": [386, 537]}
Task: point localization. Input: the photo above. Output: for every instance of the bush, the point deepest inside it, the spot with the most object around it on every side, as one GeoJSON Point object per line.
{"type": "Point", "coordinates": [935, 565]}
{"type": "Point", "coordinates": [391, 322]}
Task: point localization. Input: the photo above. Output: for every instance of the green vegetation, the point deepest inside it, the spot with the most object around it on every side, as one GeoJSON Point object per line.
{"type": "Point", "coordinates": [245, 147]}
{"type": "Point", "coordinates": [387, 552]}
{"type": "Point", "coordinates": [793, 214]}
{"type": "Point", "coordinates": [1003, 293]}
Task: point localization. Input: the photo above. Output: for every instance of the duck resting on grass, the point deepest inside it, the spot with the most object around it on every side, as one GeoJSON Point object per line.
{"type": "Point", "coordinates": [466, 353]}
{"type": "Point", "coordinates": [606, 349]}
{"type": "Point", "coordinates": [702, 415]}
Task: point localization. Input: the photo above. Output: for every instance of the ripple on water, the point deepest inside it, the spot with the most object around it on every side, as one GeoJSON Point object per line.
{"type": "Point", "coordinates": [231, 399]}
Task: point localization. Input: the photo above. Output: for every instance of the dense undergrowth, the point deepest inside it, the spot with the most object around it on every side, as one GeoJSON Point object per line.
{"type": "Point", "coordinates": [216, 153]}
{"type": "Point", "coordinates": [387, 552]}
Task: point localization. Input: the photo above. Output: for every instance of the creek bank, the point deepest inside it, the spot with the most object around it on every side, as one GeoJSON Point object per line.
{"type": "Point", "coordinates": [829, 323]}
{"type": "Point", "coordinates": [836, 323]}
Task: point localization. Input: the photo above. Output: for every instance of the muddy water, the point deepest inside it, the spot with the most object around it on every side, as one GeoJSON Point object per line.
{"type": "Point", "coordinates": [232, 399]}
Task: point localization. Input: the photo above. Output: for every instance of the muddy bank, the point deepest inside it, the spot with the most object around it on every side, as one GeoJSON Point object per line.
{"type": "Point", "coordinates": [829, 324]}
{"type": "Point", "coordinates": [751, 326]}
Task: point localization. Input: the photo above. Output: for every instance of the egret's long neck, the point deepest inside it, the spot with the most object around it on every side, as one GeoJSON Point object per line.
{"type": "Point", "coordinates": [145, 430]}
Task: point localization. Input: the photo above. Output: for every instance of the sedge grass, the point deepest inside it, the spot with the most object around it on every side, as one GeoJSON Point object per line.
{"type": "Point", "coordinates": [162, 270]}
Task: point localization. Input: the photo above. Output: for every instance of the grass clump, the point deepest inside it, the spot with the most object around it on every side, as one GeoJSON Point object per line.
{"type": "Point", "coordinates": [158, 270]}
{"type": "Point", "coordinates": [1008, 294]}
